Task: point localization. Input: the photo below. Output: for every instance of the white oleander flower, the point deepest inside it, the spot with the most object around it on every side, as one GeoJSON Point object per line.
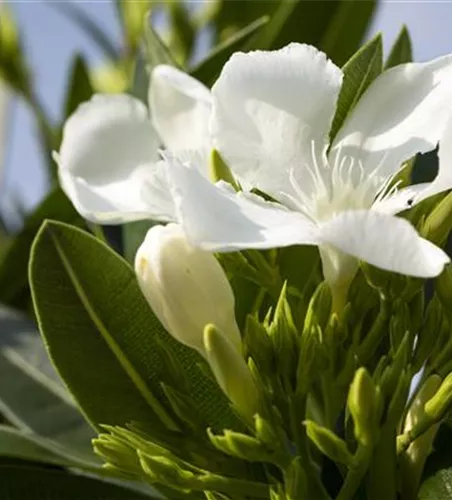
{"type": "Point", "coordinates": [272, 113]}
{"type": "Point", "coordinates": [109, 163]}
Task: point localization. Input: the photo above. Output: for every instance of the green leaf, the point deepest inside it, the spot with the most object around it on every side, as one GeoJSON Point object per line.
{"type": "Point", "coordinates": [79, 17]}
{"type": "Point", "coordinates": [267, 38]}
{"type": "Point", "coordinates": [437, 485]}
{"type": "Point", "coordinates": [13, 265]}
{"type": "Point", "coordinates": [91, 313]}
{"type": "Point", "coordinates": [347, 29]}
{"type": "Point", "coordinates": [13, 65]}
{"type": "Point", "coordinates": [19, 482]}
{"type": "Point", "coordinates": [157, 51]}
{"type": "Point", "coordinates": [16, 444]}
{"type": "Point", "coordinates": [401, 51]}
{"type": "Point", "coordinates": [208, 69]}
{"type": "Point", "coordinates": [182, 32]}
{"type": "Point", "coordinates": [79, 87]}
{"type": "Point", "coordinates": [437, 476]}
{"type": "Point", "coordinates": [359, 72]}
{"type": "Point", "coordinates": [31, 394]}
{"type": "Point", "coordinates": [334, 26]}
{"type": "Point", "coordinates": [132, 16]}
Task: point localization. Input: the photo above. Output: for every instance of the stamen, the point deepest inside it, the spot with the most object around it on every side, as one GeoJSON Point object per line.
{"type": "Point", "coordinates": [304, 203]}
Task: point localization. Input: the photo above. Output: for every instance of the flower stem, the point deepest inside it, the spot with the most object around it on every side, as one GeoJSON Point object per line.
{"type": "Point", "coordinates": [355, 475]}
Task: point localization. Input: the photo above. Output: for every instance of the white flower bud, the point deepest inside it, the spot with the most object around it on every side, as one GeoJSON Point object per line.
{"type": "Point", "coordinates": [185, 286]}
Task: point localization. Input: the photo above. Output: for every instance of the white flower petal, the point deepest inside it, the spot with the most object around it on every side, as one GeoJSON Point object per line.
{"type": "Point", "coordinates": [180, 108]}
{"type": "Point", "coordinates": [402, 113]}
{"type": "Point", "coordinates": [216, 218]}
{"type": "Point", "coordinates": [384, 241]}
{"type": "Point", "coordinates": [107, 162]}
{"type": "Point", "coordinates": [403, 199]}
{"type": "Point", "coordinates": [269, 107]}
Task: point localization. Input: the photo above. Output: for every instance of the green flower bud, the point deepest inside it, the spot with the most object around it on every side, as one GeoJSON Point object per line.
{"type": "Point", "coordinates": [328, 443]}
{"type": "Point", "coordinates": [437, 407]}
{"type": "Point", "coordinates": [438, 224]}
{"type": "Point", "coordinates": [418, 451]}
{"type": "Point", "coordinates": [185, 286]}
{"type": "Point", "coordinates": [238, 445]}
{"type": "Point", "coordinates": [443, 288]}
{"type": "Point", "coordinates": [363, 403]}
{"type": "Point", "coordinates": [117, 452]}
{"type": "Point", "coordinates": [319, 309]}
{"type": "Point", "coordinates": [296, 480]}
{"type": "Point", "coordinates": [231, 372]}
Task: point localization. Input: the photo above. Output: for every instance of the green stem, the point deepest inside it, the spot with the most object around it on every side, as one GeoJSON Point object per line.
{"type": "Point", "coordinates": [97, 230]}
{"type": "Point", "coordinates": [355, 475]}
{"type": "Point", "coordinates": [404, 440]}
{"type": "Point", "coordinates": [339, 296]}
{"type": "Point", "coordinates": [259, 300]}
{"type": "Point", "coordinates": [382, 480]}
{"type": "Point", "coordinates": [232, 486]}
{"type": "Point", "coordinates": [373, 338]}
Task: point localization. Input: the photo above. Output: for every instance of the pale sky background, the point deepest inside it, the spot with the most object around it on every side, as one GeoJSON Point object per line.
{"type": "Point", "coordinates": [51, 40]}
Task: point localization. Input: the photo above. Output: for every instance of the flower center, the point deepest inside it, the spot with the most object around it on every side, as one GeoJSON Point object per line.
{"type": "Point", "coordinates": [331, 186]}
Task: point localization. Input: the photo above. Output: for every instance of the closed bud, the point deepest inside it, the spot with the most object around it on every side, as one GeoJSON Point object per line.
{"type": "Point", "coordinates": [231, 372]}
{"type": "Point", "coordinates": [443, 288]}
{"type": "Point", "coordinates": [328, 443]}
{"type": "Point", "coordinates": [319, 309]}
{"type": "Point", "coordinates": [362, 404]}
{"type": "Point", "coordinates": [438, 224]}
{"type": "Point", "coordinates": [117, 452]}
{"type": "Point", "coordinates": [418, 451]}
{"type": "Point", "coordinates": [296, 480]}
{"type": "Point", "coordinates": [185, 286]}
{"type": "Point", "coordinates": [438, 406]}
{"type": "Point", "coordinates": [238, 445]}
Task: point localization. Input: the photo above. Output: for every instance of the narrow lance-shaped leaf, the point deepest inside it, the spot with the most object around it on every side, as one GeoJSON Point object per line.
{"type": "Point", "coordinates": [131, 15]}
{"type": "Point", "coordinates": [32, 396]}
{"type": "Point", "coordinates": [92, 314]}
{"type": "Point", "coordinates": [82, 311]}
{"type": "Point", "coordinates": [182, 31]}
{"type": "Point", "coordinates": [359, 72]}
{"type": "Point", "coordinates": [16, 444]}
{"type": "Point", "coordinates": [401, 51]}
{"type": "Point", "coordinates": [156, 50]}
{"type": "Point", "coordinates": [210, 67]}
{"type": "Point", "coordinates": [79, 88]}
{"type": "Point", "coordinates": [18, 482]}
{"type": "Point", "coordinates": [347, 29]}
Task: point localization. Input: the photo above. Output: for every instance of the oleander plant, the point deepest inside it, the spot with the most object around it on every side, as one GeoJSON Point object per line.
{"type": "Point", "coordinates": [238, 287]}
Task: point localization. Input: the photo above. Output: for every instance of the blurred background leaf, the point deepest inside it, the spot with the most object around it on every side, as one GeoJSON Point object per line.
{"type": "Point", "coordinates": [34, 399]}
{"type": "Point", "coordinates": [335, 26]}
{"type": "Point", "coordinates": [14, 289]}
{"type": "Point", "coordinates": [17, 481]}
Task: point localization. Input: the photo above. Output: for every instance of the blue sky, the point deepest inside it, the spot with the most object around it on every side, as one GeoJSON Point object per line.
{"type": "Point", "coordinates": [50, 40]}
